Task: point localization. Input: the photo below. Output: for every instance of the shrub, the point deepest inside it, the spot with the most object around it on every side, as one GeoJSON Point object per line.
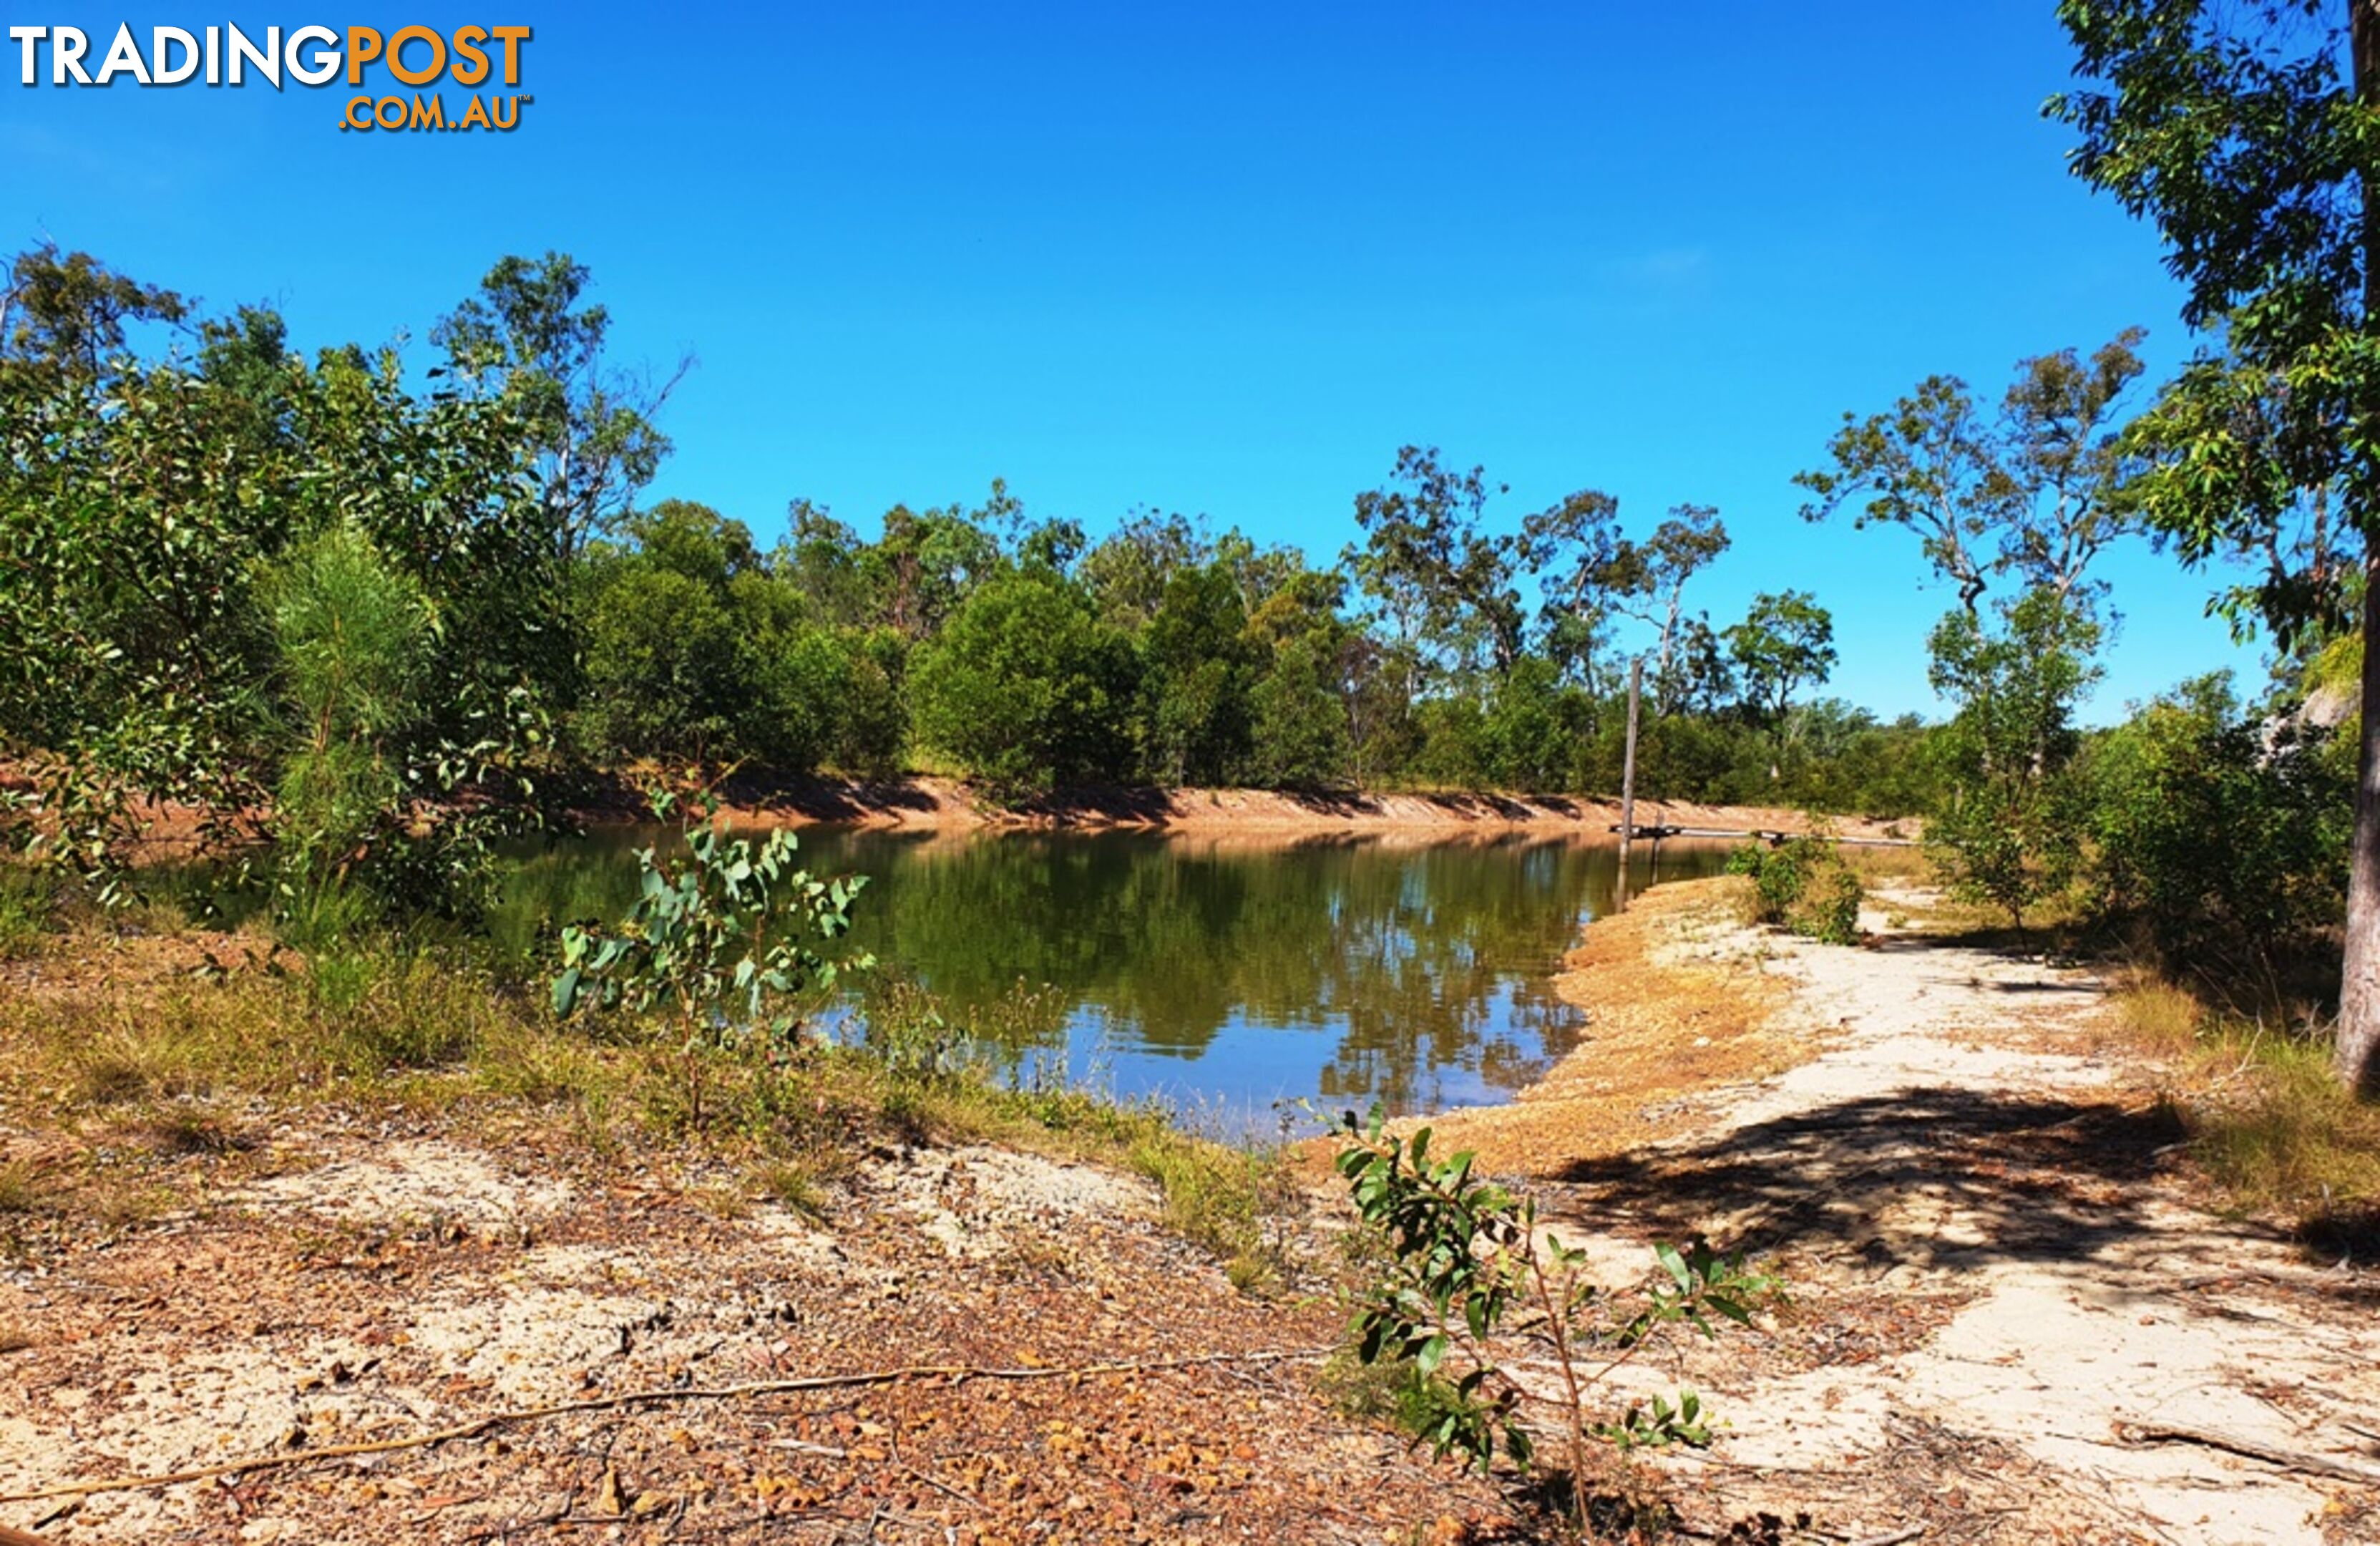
{"type": "Point", "coordinates": [722, 941]}
{"type": "Point", "coordinates": [1461, 1255]}
{"type": "Point", "coordinates": [1802, 886]}
{"type": "Point", "coordinates": [2227, 843]}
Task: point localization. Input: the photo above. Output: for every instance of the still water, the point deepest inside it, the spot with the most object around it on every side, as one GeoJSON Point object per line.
{"type": "Point", "coordinates": [1221, 977]}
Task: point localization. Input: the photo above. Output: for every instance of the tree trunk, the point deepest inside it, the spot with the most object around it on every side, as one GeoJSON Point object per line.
{"type": "Point", "coordinates": [1628, 782]}
{"type": "Point", "coordinates": [2358, 1053]}
{"type": "Point", "coordinates": [2357, 1057]}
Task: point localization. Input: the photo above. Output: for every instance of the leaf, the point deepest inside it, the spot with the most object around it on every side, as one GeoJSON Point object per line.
{"type": "Point", "coordinates": [565, 993]}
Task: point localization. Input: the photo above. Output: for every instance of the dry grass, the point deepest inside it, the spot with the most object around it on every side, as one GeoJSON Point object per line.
{"type": "Point", "coordinates": [1876, 866]}
{"type": "Point", "coordinates": [2272, 1127]}
{"type": "Point", "coordinates": [1676, 1004]}
{"type": "Point", "coordinates": [23, 1189]}
{"type": "Point", "coordinates": [151, 1068]}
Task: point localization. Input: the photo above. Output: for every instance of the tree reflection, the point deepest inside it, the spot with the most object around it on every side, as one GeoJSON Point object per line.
{"type": "Point", "coordinates": [1418, 976]}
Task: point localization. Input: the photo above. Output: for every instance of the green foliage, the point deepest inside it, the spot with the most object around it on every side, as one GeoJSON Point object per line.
{"type": "Point", "coordinates": [1785, 643]}
{"type": "Point", "coordinates": [528, 339]}
{"type": "Point", "coordinates": [144, 504]}
{"type": "Point", "coordinates": [2226, 838]}
{"type": "Point", "coordinates": [1299, 735]}
{"type": "Point", "coordinates": [2009, 823]}
{"type": "Point", "coordinates": [1026, 686]}
{"type": "Point", "coordinates": [1803, 885]}
{"type": "Point", "coordinates": [2253, 142]}
{"type": "Point", "coordinates": [1197, 661]}
{"type": "Point", "coordinates": [351, 636]}
{"type": "Point", "coordinates": [2036, 491]}
{"type": "Point", "coordinates": [25, 908]}
{"type": "Point", "coordinates": [720, 941]}
{"type": "Point", "coordinates": [1464, 1257]}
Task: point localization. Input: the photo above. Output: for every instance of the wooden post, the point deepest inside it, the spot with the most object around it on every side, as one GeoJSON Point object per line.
{"type": "Point", "coordinates": [1628, 779]}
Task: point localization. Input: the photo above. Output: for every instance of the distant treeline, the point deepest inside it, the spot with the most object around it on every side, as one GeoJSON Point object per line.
{"type": "Point", "coordinates": [159, 501]}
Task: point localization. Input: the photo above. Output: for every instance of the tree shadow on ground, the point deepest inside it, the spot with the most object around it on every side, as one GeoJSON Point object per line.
{"type": "Point", "coordinates": [1099, 805]}
{"type": "Point", "coordinates": [822, 798]}
{"type": "Point", "coordinates": [1938, 1177]}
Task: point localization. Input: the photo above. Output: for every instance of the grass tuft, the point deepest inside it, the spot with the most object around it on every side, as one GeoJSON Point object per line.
{"type": "Point", "coordinates": [2272, 1127]}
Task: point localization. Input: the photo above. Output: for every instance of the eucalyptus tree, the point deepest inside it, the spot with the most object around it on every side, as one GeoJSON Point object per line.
{"type": "Point", "coordinates": [1449, 585]}
{"type": "Point", "coordinates": [531, 337]}
{"type": "Point", "coordinates": [1127, 570]}
{"type": "Point", "coordinates": [1785, 643]}
{"type": "Point", "coordinates": [2035, 490]}
{"type": "Point", "coordinates": [1647, 581]}
{"type": "Point", "coordinates": [2249, 134]}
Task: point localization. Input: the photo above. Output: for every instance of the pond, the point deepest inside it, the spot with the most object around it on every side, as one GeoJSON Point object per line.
{"type": "Point", "coordinates": [1221, 977]}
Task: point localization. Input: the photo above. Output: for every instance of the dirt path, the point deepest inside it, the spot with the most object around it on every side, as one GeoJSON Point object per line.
{"type": "Point", "coordinates": [1989, 1228]}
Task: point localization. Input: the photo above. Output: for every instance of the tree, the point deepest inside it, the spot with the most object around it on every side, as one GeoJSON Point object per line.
{"type": "Point", "coordinates": [1647, 581]}
{"type": "Point", "coordinates": [2223, 831]}
{"type": "Point", "coordinates": [924, 565]}
{"type": "Point", "coordinates": [1025, 687]}
{"type": "Point", "coordinates": [1300, 730]}
{"type": "Point", "coordinates": [2035, 491]}
{"type": "Point", "coordinates": [1449, 585]}
{"type": "Point", "coordinates": [1785, 643]}
{"type": "Point", "coordinates": [2008, 827]}
{"type": "Point", "coordinates": [1198, 663]}
{"type": "Point", "coordinates": [1127, 571]}
{"type": "Point", "coordinates": [525, 336]}
{"type": "Point", "coordinates": [141, 501]}
{"type": "Point", "coordinates": [64, 314]}
{"type": "Point", "coordinates": [2250, 135]}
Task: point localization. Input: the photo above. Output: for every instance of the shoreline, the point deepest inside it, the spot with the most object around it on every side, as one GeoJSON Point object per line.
{"type": "Point", "coordinates": [937, 804]}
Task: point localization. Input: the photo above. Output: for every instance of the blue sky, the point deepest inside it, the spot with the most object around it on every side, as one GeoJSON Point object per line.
{"type": "Point", "coordinates": [1215, 258]}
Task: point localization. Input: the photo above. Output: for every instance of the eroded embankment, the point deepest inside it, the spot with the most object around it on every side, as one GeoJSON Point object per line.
{"type": "Point", "coordinates": [950, 804]}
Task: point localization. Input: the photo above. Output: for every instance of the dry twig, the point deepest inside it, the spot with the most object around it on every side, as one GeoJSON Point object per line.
{"type": "Point", "coordinates": [956, 1373]}
{"type": "Point", "coordinates": [2303, 1461]}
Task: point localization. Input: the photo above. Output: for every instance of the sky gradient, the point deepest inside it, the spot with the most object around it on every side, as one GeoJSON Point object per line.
{"type": "Point", "coordinates": [1219, 258]}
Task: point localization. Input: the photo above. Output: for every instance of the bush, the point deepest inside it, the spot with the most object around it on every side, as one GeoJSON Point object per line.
{"type": "Point", "coordinates": [1458, 1258]}
{"type": "Point", "coordinates": [2228, 843]}
{"type": "Point", "coordinates": [1802, 886]}
{"type": "Point", "coordinates": [1026, 688]}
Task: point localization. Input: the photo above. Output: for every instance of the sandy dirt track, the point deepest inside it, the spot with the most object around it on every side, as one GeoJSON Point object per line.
{"type": "Point", "coordinates": [2003, 1279]}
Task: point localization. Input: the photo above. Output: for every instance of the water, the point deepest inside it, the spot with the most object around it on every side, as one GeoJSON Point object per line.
{"type": "Point", "coordinates": [1223, 976]}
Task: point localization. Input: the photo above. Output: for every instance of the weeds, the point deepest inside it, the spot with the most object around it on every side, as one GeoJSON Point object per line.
{"type": "Point", "coordinates": [25, 908]}
{"type": "Point", "coordinates": [1225, 1199]}
{"type": "Point", "coordinates": [791, 1184]}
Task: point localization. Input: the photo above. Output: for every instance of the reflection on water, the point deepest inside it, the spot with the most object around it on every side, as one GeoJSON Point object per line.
{"type": "Point", "coordinates": [1220, 975]}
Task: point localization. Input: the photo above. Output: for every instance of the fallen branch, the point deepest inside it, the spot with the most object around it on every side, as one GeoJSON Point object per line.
{"type": "Point", "coordinates": [20, 1538]}
{"type": "Point", "coordinates": [2286, 1459]}
{"type": "Point", "coordinates": [956, 1373]}
{"type": "Point", "coordinates": [1895, 1539]}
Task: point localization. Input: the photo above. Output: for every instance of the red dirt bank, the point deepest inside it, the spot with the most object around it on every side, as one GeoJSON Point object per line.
{"type": "Point", "coordinates": [950, 804]}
